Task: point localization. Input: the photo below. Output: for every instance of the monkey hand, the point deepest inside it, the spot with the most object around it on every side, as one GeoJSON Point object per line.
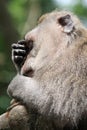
{"type": "Point", "coordinates": [19, 53]}
{"type": "Point", "coordinates": [13, 103]}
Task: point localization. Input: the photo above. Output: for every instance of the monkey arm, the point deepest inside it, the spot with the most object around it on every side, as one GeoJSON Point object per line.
{"type": "Point", "coordinates": [15, 119]}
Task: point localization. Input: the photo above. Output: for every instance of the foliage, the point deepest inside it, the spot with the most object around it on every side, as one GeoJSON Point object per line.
{"type": "Point", "coordinates": [80, 9]}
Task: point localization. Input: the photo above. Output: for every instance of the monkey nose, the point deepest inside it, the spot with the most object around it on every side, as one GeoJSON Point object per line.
{"type": "Point", "coordinates": [29, 44]}
{"type": "Point", "coordinates": [29, 38]}
{"type": "Point", "coordinates": [32, 35]}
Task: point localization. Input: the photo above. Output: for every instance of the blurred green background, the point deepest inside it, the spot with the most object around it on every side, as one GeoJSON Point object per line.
{"type": "Point", "coordinates": [16, 18]}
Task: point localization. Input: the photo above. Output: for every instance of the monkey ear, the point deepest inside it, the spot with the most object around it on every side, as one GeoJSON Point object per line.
{"type": "Point", "coordinates": [67, 23]}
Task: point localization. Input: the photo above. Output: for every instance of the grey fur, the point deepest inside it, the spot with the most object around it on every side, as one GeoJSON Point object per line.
{"type": "Point", "coordinates": [59, 86]}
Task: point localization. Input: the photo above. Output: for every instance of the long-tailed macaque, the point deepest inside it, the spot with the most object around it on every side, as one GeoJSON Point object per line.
{"type": "Point", "coordinates": [52, 72]}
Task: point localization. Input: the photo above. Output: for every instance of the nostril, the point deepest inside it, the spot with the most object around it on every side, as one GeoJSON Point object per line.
{"type": "Point", "coordinates": [29, 45]}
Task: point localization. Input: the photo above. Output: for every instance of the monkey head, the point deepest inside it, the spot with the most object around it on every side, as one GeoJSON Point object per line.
{"type": "Point", "coordinates": [54, 67]}
{"type": "Point", "coordinates": [56, 34]}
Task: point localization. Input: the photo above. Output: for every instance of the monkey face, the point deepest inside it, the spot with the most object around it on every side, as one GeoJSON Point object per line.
{"type": "Point", "coordinates": [53, 31]}
{"type": "Point", "coordinates": [55, 34]}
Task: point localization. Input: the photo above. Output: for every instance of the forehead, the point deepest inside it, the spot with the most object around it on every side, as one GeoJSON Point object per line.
{"type": "Point", "coordinates": [53, 15]}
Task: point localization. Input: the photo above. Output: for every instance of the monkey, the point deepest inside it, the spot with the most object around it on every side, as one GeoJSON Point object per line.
{"type": "Point", "coordinates": [52, 72]}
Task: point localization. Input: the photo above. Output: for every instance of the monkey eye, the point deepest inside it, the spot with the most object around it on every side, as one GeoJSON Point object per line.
{"type": "Point", "coordinates": [67, 23]}
{"type": "Point", "coordinates": [64, 20]}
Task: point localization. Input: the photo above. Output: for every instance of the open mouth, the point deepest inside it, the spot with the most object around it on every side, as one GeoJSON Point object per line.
{"type": "Point", "coordinates": [28, 72]}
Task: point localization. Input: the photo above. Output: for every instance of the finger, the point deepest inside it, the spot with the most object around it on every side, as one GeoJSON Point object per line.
{"type": "Point", "coordinates": [17, 46]}
{"type": "Point", "coordinates": [21, 42]}
{"type": "Point", "coordinates": [18, 59]}
{"type": "Point", "coordinates": [19, 52]}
